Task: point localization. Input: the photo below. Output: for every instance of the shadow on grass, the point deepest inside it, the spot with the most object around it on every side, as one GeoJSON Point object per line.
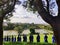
{"type": "Point", "coordinates": [26, 43]}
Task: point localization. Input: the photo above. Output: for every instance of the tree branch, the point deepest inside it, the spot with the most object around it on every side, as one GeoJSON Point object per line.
{"type": "Point", "coordinates": [43, 13]}
{"type": "Point", "coordinates": [9, 8]}
{"type": "Point", "coordinates": [58, 2]}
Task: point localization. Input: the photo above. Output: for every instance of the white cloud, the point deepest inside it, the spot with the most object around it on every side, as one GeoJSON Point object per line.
{"type": "Point", "coordinates": [23, 16]}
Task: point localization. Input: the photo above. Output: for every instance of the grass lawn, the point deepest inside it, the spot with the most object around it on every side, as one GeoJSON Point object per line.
{"type": "Point", "coordinates": [26, 43]}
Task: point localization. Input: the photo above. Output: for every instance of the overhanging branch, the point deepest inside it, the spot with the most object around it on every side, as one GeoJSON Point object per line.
{"type": "Point", "coordinates": [43, 13]}
{"type": "Point", "coordinates": [9, 8]}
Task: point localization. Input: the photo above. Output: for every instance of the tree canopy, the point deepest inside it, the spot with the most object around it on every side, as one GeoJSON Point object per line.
{"type": "Point", "coordinates": [6, 6]}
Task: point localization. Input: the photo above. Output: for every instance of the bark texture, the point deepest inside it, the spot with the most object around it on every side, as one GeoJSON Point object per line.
{"type": "Point", "coordinates": [1, 31]}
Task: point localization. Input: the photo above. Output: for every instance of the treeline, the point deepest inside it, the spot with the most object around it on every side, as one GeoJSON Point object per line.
{"type": "Point", "coordinates": [47, 27]}
{"type": "Point", "coordinates": [12, 26]}
{"type": "Point", "coordinates": [17, 26]}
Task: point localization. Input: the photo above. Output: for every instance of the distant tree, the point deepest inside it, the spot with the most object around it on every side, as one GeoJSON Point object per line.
{"type": "Point", "coordinates": [32, 30]}
{"type": "Point", "coordinates": [19, 29]}
{"type": "Point", "coordinates": [10, 26]}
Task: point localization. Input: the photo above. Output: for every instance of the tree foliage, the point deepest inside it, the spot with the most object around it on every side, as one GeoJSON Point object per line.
{"type": "Point", "coordinates": [6, 6]}
{"type": "Point", "coordinates": [19, 29]}
{"type": "Point", "coordinates": [32, 30]}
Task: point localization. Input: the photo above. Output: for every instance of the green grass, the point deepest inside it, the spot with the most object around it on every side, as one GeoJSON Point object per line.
{"type": "Point", "coordinates": [26, 43]}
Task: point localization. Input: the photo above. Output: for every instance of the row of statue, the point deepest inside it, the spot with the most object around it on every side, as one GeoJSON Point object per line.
{"type": "Point", "coordinates": [14, 39]}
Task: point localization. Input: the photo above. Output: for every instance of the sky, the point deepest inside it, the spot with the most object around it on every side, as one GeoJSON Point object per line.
{"type": "Point", "coordinates": [21, 15]}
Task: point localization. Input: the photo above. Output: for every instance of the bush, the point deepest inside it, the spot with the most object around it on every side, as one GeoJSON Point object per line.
{"type": "Point", "coordinates": [32, 30]}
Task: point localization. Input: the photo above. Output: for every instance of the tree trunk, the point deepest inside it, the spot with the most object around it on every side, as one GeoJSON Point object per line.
{"type": "Point", "coordinates": [56, 30]}
{"type": "Point", "coordinates": [1, 31]}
